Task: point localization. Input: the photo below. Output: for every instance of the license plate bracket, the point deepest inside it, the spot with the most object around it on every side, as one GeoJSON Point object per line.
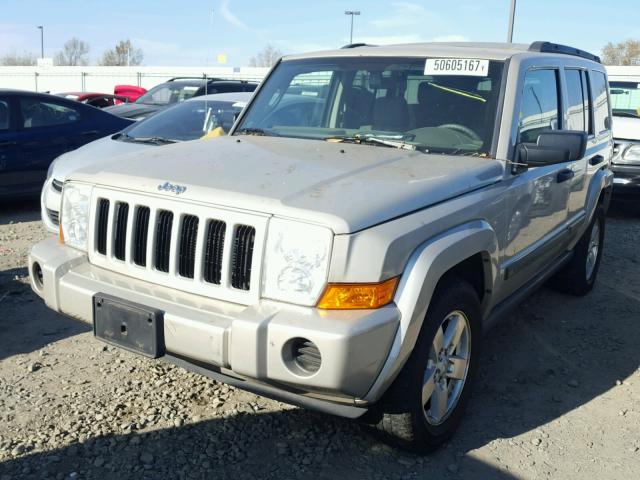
{"type": "Point", "coordinates": [129, 325]}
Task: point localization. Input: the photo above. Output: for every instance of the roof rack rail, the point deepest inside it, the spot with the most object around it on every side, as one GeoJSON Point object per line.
{"type": "Point", "coordinates": [548, 47]}
{"type": "Point", "coordinates": [203, 77]}
{"type": "Point", "coordinates": [356, 45]}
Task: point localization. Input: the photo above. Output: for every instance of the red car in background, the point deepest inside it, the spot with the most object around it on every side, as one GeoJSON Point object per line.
{"type": "Point", "coordinates": [99, 100]}
{"type": "Point", "coordinates": [132, 92]}
{"type": "Point", "coordinates": [121, 94]}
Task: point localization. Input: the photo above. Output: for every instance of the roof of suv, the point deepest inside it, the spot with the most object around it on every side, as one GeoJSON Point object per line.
{"type": "Point", "coordinates": [490, 51]}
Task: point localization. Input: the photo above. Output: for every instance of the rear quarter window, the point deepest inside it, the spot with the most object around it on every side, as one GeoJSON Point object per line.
{"type": "Point", "coordinates": [600, 97]}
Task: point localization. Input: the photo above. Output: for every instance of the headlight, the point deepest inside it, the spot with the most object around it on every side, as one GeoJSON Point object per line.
{"type": "Point", "coordinates": [76, 200]}
{"type": "Point", "coordinates": [296, 261]}
{"type": "Point", "coordinates": [632, 153]}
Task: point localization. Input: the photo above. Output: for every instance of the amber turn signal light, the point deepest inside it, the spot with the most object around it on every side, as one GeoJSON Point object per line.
{"type": "Point", "coordinates": [60, 234]}
{"type": "Point", "coordinates": [352, 296]}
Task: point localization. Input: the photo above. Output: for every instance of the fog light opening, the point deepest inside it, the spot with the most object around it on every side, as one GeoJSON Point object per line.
{"type": "Point", "coordinates": [38, 277]}
{"type": "Point", "coordinates": [302, 357]}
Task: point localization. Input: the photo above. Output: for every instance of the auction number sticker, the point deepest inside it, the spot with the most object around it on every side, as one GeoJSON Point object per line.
{"type": "Point", "coordinates": [456, 66]}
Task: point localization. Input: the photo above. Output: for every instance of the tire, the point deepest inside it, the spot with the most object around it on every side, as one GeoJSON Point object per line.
{"type": "Point", "coordinates": [579, 275]}
{"type": "Point", "coordinates": [406, 420]}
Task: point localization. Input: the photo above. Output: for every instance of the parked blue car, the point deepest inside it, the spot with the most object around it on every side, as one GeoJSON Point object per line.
{"type": "Point", "coordinates": [36, 128]}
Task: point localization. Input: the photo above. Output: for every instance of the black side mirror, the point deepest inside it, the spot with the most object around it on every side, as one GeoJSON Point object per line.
{"type": "Point", "coordinates": [553, 146]}
{"type": "Point", "coordinates": [572, 140]}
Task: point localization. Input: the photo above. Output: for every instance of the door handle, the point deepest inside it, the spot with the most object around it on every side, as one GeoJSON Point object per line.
{"type": "Point", "coordinates": [89, 132]}
{"type": "Point", "coordinates": [564, 175]}
{"type": "Point", "coordinates": [7, 144]}
{"type": "Point", "coordinates": [596, 160]}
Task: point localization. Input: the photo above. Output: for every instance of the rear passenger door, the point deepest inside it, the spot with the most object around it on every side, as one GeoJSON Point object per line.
{"type": "Point", "coordinates": [588, 111]}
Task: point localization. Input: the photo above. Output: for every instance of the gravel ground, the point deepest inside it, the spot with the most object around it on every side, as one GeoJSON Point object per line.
{"type": "Point", "coordinates": [558, 396]}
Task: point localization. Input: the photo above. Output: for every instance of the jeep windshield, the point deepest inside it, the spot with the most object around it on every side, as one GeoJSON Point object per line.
{"type": "Point", "coordinates": [625, 99]}
{"type": "Point", "coordinates": [379, 101]}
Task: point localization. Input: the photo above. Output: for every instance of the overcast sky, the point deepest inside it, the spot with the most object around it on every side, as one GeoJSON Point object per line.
{"type": "Point", "coordinates": [194, 32]}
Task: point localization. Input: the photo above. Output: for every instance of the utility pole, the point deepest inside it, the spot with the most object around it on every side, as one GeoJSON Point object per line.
{"type": "Point", "coordinates": [41, 27]}
{"type": "Point", "coordinates": [352, 13]}
{"type": "Point", "coordinates": [512, 16]}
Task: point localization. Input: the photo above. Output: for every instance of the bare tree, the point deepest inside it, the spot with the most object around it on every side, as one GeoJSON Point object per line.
{"type": "Point", "coordinates": [266, 58]}
{"type": "Point", "coordinates": [73, 53]}
{"type": "Point", "coordinates": [122, 55]}
{"type": "Point", "coordinates": [18, 59]}
{"type": "Point", "coordinates": [623, 53]}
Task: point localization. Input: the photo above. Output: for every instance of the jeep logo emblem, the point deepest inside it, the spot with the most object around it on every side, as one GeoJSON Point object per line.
{"type": "Point", "coordinates": [170, 187]}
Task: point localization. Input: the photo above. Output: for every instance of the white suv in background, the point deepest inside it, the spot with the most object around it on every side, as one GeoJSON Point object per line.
{"type": "Point", "coordinates": [624, 89]}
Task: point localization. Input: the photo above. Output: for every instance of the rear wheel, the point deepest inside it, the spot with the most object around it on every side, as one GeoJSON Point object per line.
{"type": "Point", "coordinates": [579, 275]}
{"type": "Point", "coordinates": [425, 404]}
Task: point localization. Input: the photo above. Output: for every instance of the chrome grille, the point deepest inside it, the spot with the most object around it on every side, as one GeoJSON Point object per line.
{"type": "Point", "coordinates": [103, 222]}
{"type": "Point", "coordinates": [209, 251]}
{"type": "Point", "coordinates": [188, 238]}
{"type": "Point", "coordinates": [242, 255]}
{"type": "Point", "coordinates": [213, 252]}
{"type": "Point", "coordinates": [141, 233]}
{"type": "Point", "coordinates": [122, 214]}
{"type": "Point", "coordinates": [163, 240]}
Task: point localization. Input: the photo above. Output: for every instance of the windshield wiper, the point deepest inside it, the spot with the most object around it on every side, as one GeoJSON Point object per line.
{"type": "Point", "coordinates": [625, 114]}
{"type": "Point", "coordinates": [370, 139]}
{"type": "Point", "coordinates": [259, 132]}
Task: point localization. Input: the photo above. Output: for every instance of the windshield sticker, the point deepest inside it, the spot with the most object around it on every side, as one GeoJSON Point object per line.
{"type": "Point", "coordinates": [457, 66]}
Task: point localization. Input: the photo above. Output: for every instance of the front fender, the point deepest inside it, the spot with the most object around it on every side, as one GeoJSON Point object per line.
{"type": "Point", "coordinates": [426, 266]}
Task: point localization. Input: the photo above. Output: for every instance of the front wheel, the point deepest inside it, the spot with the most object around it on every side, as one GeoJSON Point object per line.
{"type": "Point", "coordinates": [579, 275]}
{"type": "Point", "coordinates": [425, 404]}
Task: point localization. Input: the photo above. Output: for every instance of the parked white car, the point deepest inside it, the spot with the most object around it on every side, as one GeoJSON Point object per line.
{"type": "Point", "coordinates": [624, 91]}
{"type": "Point", "coordinates": [204, 116]}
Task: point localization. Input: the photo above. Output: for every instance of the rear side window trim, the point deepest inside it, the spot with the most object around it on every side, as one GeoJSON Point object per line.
{"type": "Point", "coordinates": [592, 72]}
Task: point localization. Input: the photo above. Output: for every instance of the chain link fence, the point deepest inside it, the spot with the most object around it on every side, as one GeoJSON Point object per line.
{"type": "Point", "coordinates": [104, 79]}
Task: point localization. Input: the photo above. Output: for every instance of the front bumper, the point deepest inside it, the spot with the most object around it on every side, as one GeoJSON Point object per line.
{"type": "Point", "coordinates": [626, 181]}
{"type": "Point", "coordinates": [246, 345]}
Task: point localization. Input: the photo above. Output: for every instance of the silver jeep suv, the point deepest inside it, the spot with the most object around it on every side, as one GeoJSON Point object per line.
{"type": "Point", "coordinates": [373, 210]}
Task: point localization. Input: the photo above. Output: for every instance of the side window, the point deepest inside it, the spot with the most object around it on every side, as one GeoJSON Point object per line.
{"type": "Point", "coordinates": [36, 113]}
{"type": "Point", "coordinates": [600, 102]}
{"type": "Point", "coordinates": [539, 108]}
{"type": "Point", "coordinates": [576, 110]}
{"type": "Point", "coordinates": [4, 114]}
{"type": "Point", "coordinates": [224, 88]}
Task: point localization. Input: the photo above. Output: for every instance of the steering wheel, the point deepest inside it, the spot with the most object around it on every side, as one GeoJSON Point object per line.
{"type": "Point", "coordinates": [456, 127]}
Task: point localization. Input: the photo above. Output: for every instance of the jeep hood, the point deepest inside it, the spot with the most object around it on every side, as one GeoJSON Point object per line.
{"type": "Point", "coordinates": [95, 151]}
{"type": "Point", "coordinates": [343, 186]}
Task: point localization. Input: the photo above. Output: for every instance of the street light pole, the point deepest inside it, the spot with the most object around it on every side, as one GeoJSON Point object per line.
{"type": "Point", "coordinates": [41, 27]}
{"type": "Point", "coordinates": [512, 16]}
{"type": "Point", "coordinates": [352, 13]}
